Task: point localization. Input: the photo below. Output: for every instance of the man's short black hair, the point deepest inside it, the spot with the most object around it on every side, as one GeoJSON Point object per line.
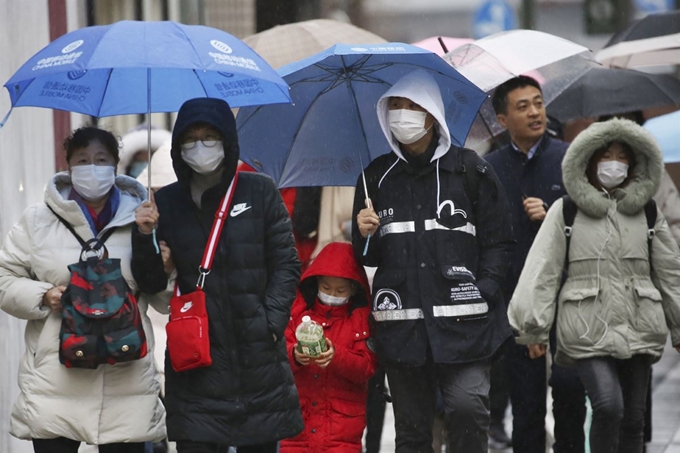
{"type": "Point", "coordinates": [500, 96]}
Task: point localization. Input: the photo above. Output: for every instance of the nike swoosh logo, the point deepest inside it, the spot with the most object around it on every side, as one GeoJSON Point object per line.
{"type": "Point", "coordinates": [235, 212]}
{"type": "Point", "coordinates": [186, 307]}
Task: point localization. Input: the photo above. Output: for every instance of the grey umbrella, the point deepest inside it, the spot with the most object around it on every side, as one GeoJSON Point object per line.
{"type": "Point", "coordinates": [605, 91]}
{"type": "Point", "coordinates": [652, 40]}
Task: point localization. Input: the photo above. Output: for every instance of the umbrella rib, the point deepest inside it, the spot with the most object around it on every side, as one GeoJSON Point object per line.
{"type": "Point", "coordinates": [361, 124]}
{"type": "Point", "coordinates": [201, 83]}
{"type": "Point", "coordinates": [106, 87]}
{"type": "Point", "coordinates": [297, 132]}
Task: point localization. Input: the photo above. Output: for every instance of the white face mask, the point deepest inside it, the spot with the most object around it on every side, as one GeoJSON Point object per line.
{"type": "Point", "coordinates": [611, 173]}
{"type": "Point", "coordinates": [408, 126]}
{"type": "Point", "coordinates": [203, 159]}
{"type": "Point", "coordinates": [334, 301]}
{"type": "Point", "coordinates": [93, 182]}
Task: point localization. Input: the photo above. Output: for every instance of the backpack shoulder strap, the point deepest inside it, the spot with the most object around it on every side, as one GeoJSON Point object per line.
{"type": "Point", "coordinates": [84, 244]}
{"type": "Point", "coordinates": [650, 214]}
{"type": "Point", "coordinates": [473, 172]}
{"type": "Point", "coordinates": [569, 210]}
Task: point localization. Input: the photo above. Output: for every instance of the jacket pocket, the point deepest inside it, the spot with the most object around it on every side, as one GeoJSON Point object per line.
{"type": "Point", "coordinates": [348, 420]}
{"type": "Point", "coordinates": [389, 288]}
{"type": "Point", "coordinates": [581, 318]}
{"type": "Point", "coordinates": [650, 317]}
{"type": "Point", "coordinates": [462, 300]}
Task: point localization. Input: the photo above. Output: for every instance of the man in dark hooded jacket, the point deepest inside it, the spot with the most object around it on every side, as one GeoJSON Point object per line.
{"type": "Point", "coordinates": [440, 236]}
{"type": "Point", "coordinates": [247, 397]}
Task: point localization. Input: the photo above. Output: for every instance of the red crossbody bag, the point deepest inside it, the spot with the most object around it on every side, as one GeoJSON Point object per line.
{"type": "Point", "coordinates": [187, 330]}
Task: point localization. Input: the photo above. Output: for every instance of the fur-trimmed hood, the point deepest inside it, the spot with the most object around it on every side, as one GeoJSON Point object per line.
{"type": "Point", "coordinates": [647, 171]}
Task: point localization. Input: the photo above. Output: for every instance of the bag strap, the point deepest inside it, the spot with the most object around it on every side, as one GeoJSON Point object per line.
{"type": "Point", "coordinates": [472, 178]}
{"type": "Point", "coordinates": [215, 232]}
{"type": "Point", "coordinates": [99, 242]}
{"type": "Point", "coordinates": [650, 214]}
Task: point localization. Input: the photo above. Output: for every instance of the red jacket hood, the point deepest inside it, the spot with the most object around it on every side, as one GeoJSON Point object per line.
{"type": "Point", "coordinates": [335, 260]}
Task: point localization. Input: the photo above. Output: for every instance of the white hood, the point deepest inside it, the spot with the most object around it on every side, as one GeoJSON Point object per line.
{"type": "Point", "coordinates": [421, 88]}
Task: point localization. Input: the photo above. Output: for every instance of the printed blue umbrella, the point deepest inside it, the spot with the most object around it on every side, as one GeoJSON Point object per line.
{"type": "Point", "coordinates": [133, 67]}
{"type": "Point", "coordinates": [331, 130]}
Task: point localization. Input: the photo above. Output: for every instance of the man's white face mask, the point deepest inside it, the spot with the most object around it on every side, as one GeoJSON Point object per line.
{"type": "Point", "coordinates": [93, 182]}
{"type": "Point", "coordinates": [611, 173]}
{"type": "Point", "coordinates": [203, 159]}
{"type": "Point", "coordinates": [408, 126]}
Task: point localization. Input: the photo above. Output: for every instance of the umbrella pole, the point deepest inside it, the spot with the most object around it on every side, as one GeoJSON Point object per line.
{"type": "Point", "coordinates": [488, 129]}
{"type": "Point", "coordinates": [148, 129]}
{"type": "Point", "coordinates": [148, 147]}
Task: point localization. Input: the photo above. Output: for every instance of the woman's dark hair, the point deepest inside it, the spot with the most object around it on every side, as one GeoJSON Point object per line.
{"type": "Point", "coordinates": [591, 169]}
{"type": "Point", "coordinates": [82, 137]}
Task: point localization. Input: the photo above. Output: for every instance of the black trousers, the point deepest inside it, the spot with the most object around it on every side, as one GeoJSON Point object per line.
{"type": "Point", "coordinates": [184, 446]}
{"type": "Point", "coordinates": [465, 390]}
{"type": "Point", "coordinates": [375, 411]}
{"type": "Point", "coordinates": [618, 392]}
{"type": "Point", "coordinates": [528, 391]}
{"type": "Point", "coordinates": [499, 393]}
{"type": "Point", "coordinates": [64, 445]}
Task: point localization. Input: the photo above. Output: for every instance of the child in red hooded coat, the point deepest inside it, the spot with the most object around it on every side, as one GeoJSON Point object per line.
{"type": "Point", "coordinates": [334, 292]}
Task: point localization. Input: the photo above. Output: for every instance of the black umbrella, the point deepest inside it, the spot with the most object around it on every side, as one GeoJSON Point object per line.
{"type": "Point", "coordinates": [605, 91]}
{"type": "Point", "coordinates": [652, 40]}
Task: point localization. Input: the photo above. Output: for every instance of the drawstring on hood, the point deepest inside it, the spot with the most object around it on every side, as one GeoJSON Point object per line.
{"type": "Point", "coordinates": [421, 88]}
{"type": "Point", "coordinates": [645, 175]}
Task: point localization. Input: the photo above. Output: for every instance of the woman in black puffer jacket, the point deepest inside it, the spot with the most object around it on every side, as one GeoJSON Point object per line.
{"type": "Point", "coordinates": [247, 397]}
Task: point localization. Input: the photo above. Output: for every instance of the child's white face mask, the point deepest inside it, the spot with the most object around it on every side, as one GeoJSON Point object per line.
{"type": "Point", "coordinates": [333, 301]}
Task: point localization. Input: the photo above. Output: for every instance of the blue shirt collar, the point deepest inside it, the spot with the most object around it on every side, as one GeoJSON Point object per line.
{"type": "Point", "coordinates": [531, 152]}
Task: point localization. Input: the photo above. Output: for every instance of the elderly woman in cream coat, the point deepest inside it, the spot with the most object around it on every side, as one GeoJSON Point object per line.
{"type": "Point", "coordinates": [114, 406]}
{"type": "Point", "coordinates": [621, 295]}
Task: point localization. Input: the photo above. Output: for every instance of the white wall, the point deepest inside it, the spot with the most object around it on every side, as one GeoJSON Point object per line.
{"type": "Point", "coordinates": [26, 163]}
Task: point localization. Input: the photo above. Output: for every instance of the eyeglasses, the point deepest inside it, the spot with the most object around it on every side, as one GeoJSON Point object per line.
{"type": "Point", "coordinates": [208, 142]}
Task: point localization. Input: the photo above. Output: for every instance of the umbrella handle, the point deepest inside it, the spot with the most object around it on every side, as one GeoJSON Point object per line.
{"type": "Point", "coordinates": [368, 238]}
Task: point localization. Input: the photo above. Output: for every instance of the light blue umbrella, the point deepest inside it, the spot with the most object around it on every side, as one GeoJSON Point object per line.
{"type": "Point", "coordinates": [133, 67]}
{"type": "Point", "coordinates": [331, 131]}
{"type": "Point", "coordinates": [666, 131]}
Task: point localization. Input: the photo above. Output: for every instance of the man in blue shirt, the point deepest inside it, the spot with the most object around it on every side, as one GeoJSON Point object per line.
{"type": "Point", "coordinates": [530, 170]}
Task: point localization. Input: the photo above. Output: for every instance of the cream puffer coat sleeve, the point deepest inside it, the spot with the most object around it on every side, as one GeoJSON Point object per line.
{"type": "Point", "coordinates": [113, 403]}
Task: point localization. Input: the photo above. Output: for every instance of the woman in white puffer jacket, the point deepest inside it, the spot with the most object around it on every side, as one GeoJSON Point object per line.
{"type": "Point", "coordinates": [114, 406]}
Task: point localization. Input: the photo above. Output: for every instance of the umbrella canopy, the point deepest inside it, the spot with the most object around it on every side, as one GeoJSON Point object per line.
{"type": "Point", "coordinates": [140, 67]}
{"type": "Point", "coordinates": [288, 43]}
{"type": "Point", "coordinates": [433, 45]}
{"type": "Point", "coordinates": [331, 130]}
{"type": "Point", "coordinates": [666, 131]}
{"type": "Point", "coordinates": [488, 62]}
{"type": "Point", "coordinates": [605, 91]}
{"type": "Point", "coordinates": [650, 41]}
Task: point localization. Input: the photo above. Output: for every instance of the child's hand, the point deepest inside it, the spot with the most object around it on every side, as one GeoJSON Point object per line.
{"type": "Point", "coordinates": [325, 358]}
{"type": "Point", "coordinates": [300, 358]}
